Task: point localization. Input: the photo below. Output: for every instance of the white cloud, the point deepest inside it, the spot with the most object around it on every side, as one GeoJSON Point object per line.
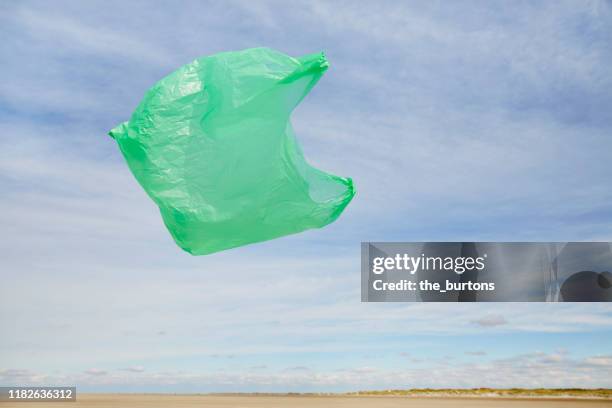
{"type": "Point", "coordinates": [95, 372]}
{"type": "Point", "coordinates": [74, 36]}
{"type": "Point", "coordinates": [605, 360]}
{"type": "Point", "coordinates": [530, 370]}
{"type": "Point", "coordinates": [135, 369]}
{"type": "Point", "coordinates": [490, 321]}
{"type": "Point", "coordinates": [476, 353]}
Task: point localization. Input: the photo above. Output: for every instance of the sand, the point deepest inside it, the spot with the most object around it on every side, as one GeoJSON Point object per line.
{"type": "Point", "coordinates": [248, 401]}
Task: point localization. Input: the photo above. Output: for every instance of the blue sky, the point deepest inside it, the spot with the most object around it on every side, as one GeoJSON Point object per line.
{"type": "Point", "coordinates": [457, 121]}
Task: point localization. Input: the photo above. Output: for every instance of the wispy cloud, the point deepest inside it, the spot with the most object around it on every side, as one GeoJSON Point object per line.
{"type": "Point", "coordinates": [136, 369]}
{"type": "Point", "coordinates": [95, 372]}
{"type": "Point", "coordinates": [534, 370]}
{"type": "Point", "coordinates": [490, 321]}
{"type": "Point", "coordinates": [73, 36]}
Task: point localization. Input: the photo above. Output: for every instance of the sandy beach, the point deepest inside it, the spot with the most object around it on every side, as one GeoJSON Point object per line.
{"type": "Point", "coordinates": [248, 401]}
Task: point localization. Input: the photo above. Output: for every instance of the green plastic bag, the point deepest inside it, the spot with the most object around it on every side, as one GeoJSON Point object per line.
{"type": "Point", "coordinates": [213, 146]}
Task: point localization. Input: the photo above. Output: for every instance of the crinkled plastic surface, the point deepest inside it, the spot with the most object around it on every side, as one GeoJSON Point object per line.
{"type": "Point", "coordinates": [212, 145]}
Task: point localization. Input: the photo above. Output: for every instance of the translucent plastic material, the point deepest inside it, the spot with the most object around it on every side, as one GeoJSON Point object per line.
{"type": "Point", "coordinates": [213, 146]}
